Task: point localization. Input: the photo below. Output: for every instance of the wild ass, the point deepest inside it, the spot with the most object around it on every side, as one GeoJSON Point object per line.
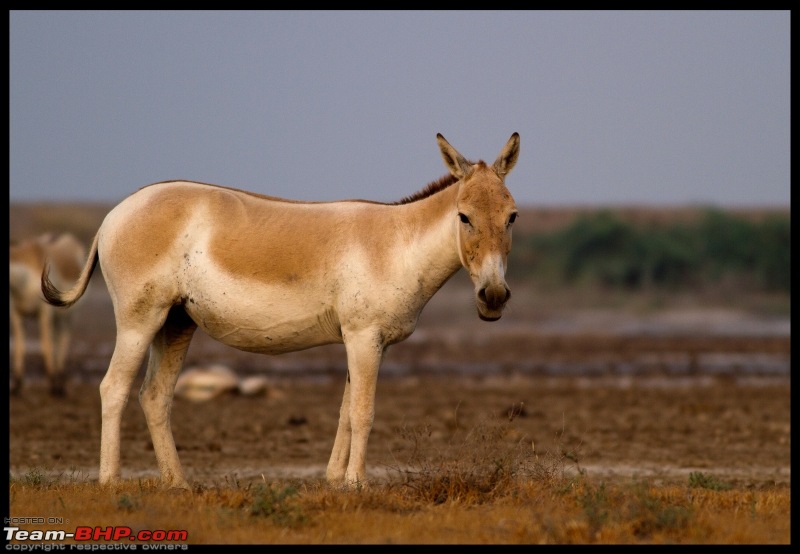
{"type": "Point", "coordinates": [270, 275]}
{"type": "Point", "coordinates": [26, 263]}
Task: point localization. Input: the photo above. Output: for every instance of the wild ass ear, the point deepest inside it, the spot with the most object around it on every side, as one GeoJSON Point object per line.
{"type": "Point", "coordinates": [454, 161]}
{"type": "Point", "coordinates": [507, 159]}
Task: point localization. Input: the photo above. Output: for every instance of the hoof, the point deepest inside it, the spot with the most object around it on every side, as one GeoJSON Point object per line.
{"type": "Point", "coordinates": [357, 485]}
{"type": "Point", "coordinates": [177, 487]}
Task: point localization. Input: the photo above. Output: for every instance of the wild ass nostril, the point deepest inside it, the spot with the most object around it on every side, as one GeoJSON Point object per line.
{"type": "Point", "coordinates": [494, 296]}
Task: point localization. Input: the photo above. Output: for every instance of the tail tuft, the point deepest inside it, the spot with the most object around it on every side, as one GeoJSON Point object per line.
{"type": "Point", "coordinates": [66, 299]}
{"type": "Point", "coordinates": [51, 294]}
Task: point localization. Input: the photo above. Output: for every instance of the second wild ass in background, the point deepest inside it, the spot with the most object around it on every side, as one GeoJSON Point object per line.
{"type": "Point", "coordinates": [66, 256]}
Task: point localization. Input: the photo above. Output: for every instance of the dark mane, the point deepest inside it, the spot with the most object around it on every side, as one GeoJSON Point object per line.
{"type": "Point", "coordinates": [432, 188]}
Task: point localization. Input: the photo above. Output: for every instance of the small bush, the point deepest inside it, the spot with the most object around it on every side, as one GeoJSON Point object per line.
{"type": "Point", "coordinates": [127, 503]}
{"type": "Point", "coordinates": [275, 503]}
{"type": "Point", "coordinates": [698, 479]}
{"type": "Point", "coordinates": [479, 468]}
{"type": "Point", "coordinates": [648, 514]}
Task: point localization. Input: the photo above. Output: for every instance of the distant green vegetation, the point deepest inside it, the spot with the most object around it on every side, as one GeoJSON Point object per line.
{"type": "Point", "coordinates": [603, 249]}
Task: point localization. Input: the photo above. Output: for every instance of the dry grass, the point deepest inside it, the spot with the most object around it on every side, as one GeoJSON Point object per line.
{"type": "Point", "coordinates": [480, 488]}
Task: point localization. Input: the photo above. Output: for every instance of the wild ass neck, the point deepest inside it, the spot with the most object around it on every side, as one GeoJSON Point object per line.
{"type": "Point", "coordinates": [429, 240]}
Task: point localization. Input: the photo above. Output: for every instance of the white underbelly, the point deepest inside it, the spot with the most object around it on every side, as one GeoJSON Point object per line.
{"type": "Point", "coordinates": [267, 319]}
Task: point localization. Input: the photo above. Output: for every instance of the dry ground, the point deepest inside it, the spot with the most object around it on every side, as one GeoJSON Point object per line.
{"type": "Point", "coordinates": [737, 429]}
{"type": "Point", "coordinates": [627, 391]}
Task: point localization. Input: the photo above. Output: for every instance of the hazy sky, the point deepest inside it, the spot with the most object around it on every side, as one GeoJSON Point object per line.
{"type": "Point", "coordinates": [643, 107]}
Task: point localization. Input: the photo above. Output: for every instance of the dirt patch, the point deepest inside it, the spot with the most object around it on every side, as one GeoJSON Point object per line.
{"type": "Point", "coordinates": [735, 428]}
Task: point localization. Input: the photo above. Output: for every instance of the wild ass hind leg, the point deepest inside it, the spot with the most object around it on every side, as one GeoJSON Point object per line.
{"type": "Point", "coordinates": [156, 395]}
{"type": "Point", "coordinates": [129, 351]}
{"type": "Point", "coordinates": [364, 355]}
{"type": "Point", "coordinates": [18, 367]}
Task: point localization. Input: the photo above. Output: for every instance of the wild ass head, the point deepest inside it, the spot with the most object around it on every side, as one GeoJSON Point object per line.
{"type": "Point", "coordinates": [485, 212]}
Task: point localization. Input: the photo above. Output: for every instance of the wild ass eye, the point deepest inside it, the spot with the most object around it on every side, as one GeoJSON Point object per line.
{"type": "Point", "coordinates": [463, 218]}
{"type": "Point", "coordinates": [511, 219]}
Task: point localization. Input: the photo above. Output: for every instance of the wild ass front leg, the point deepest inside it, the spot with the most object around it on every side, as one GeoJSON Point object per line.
{"type": "Point", "coordinates": [48, 339]}
{"type": "Point", "coordinates": [61, 338]}
{"type": "Point", "coordinates": [18, 331]}
{"type": "Point", "coordinates": [337, 465]}
{"type": "Point", "coordinates": [364, 356]}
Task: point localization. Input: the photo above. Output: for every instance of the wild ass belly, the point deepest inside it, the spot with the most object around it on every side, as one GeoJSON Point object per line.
{"type": "Point", "coordinates": [267, 319]}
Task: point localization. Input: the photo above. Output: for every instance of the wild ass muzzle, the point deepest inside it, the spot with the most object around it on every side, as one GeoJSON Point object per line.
{"type": "Point", "coordinates": [270, 275]}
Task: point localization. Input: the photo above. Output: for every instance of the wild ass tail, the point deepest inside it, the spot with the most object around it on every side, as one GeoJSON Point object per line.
{"type": "Point", "coordinates": [66, 299]}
